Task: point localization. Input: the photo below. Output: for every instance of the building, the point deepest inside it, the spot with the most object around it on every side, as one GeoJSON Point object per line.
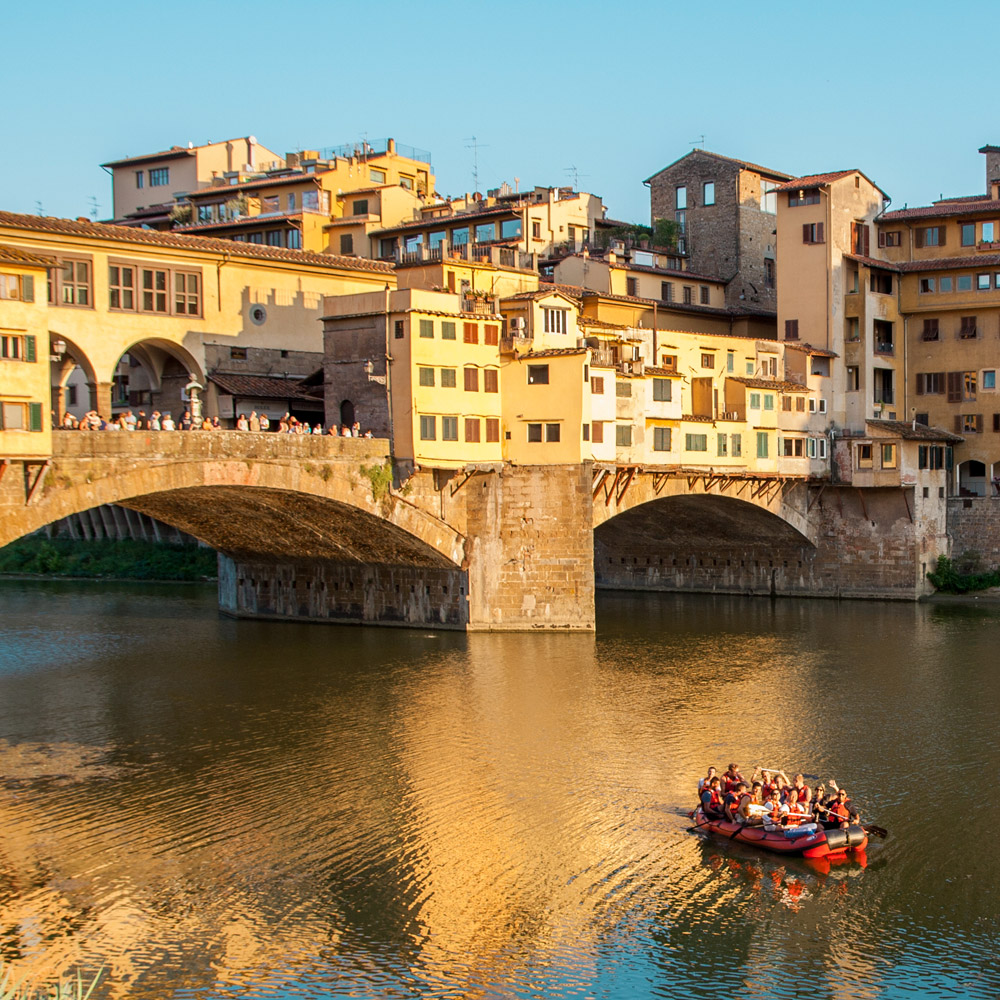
{"type": "Point", "coordinates": [145, 188]}
{"type": "Point", "coordinates": [724, 210]}
{"type": "Point", "coordinates": [149, 317]}
{"type": "Point", "coordinates": [25, 428]}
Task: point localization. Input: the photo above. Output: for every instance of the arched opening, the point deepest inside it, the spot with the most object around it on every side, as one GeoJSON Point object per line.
{"type": "Point", "coordinates": [346, 413]}
{"type": "Point", "coordinates": [72, 378]}
{"type": "Point", "coordinates": [157, 375]}
{"type": "Point", "coordinates": [700, 543]}
{"type": "Point", "coordinates": [972, 481]}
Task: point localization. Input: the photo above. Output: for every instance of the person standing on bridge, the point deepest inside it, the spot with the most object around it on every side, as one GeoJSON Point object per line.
{"type": "Point", "coordinates": [254, 422]}
{"type": "Point", "coordinates": [265, 424]}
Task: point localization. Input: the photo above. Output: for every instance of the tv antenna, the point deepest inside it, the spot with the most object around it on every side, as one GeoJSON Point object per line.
{"type": "Point", "coordinates": [474, 144]}
{"type": "Point", "coordinates": [38, 208]}
{"type": "Point", "coordinates": [576, 176]}
{"type": "Point", "coordinates": [700, 141]}
{"type": "Point", "coordinates": [94, 207]}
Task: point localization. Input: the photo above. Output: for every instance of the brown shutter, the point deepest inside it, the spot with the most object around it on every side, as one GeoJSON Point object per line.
{"type": "Point", "coordinates": [955, 387]}
{"type": "Point", "coordinates": [920, 383]}
{"type": "Point", "coordinates": [918, 238]}
{"type": "Point", "coordinates": [866, 236]}
{"type": "Point", "coordinates": [979, 423]}
{"type": "Point", "coordinates": [819, 232]}
{"type": "Point", "coordinates": [942, 234]}
{"type": "Point", "coordinates": [881, 239]}
{"type": "Point", "coordinates": [805, 232]}
{"type": "Point", "coordinates": [958, 424]}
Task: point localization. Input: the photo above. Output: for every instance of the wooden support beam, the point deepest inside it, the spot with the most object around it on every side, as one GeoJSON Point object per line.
{"type": "Point", "coordinates": [864, 508]}
{"type": "Point", "coordinates": [659, 481]}
{"type": "Point", "coordinates": [727, 481]}
{"type": "Point", "coordinates": [909, 513]}
{"type": "Point", "coordinates": [612, 488]}
{"type": "Point", "coordinates": [459, 485]}
{"type": "Point", "coordinates": [39, 477]}
{"type": "Point", "coordinates": [743, 486]}
{"type": "Point", "coordinates": [602, 474]}
{"type": "Point", "coordinates": [620, 492]}
{"type": "Point", "coordinates": [4, 462]}
{"type": "Point", "coordinates": [816, 498]}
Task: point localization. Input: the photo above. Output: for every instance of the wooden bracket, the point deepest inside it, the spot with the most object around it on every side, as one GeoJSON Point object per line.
{"type": "Point", "coordinates": [659, 481]}
{"type": "Point", "coordinates": [909, 513]}
{"type": "Point", "coordinates": [32, 487]}
{"type": "Point", "coordinates": [816, 498]}
{"type": "Point", "coordinates": [454, 489]}
{"type": "Point", "coordinates": [4, 462]}
{"type": "Point", "coordinates": [861, 497]}
{"type": "Point", "coordinates": [599, 478]}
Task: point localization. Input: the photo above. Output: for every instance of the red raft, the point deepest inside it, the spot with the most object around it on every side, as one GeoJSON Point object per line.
{"type": "Point", "coordinates": [817, 844]}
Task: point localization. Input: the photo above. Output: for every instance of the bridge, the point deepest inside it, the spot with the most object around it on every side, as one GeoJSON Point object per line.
{"type": "Point", "coordinates": [314, 528]}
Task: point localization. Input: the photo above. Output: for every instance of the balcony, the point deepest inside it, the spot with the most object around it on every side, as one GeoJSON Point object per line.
{"type": "Point", "coordinates": [483, 307]}
{"type": "Point", "coordinates": [885, 347]}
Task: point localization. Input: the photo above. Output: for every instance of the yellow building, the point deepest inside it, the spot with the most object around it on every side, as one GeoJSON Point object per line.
{"type": "Point", "coordinates": [25, 424]}
{"type": "Point", "coordinates": [173, 304]}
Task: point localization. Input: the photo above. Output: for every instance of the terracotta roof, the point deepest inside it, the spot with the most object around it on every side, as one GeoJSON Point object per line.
{"type": "Point", "coordinates": [818, 180]}
{"type": "Point", "coordinates": [599, 324]}
{"type": "Point", "coordinates": [179, 241]}
{"type": "Point", "coordinates": [943, 210]}
{"type": "Point", "coordinates": [15, 255]}
{"type": "Point", "coordinates": [217, 189]}
{"type": "Point", "coordinates": [554, 352]}
{"type": "Point", "coordinates": [945, 263]}
{"type": "Point", "coordinates": [767, 383]}
{"type": "Point", "coordinates": [243, 220]}
{"type": "Point", "coordinates": [166, 154]}
{"type": "Point", "coordinates": [809, 349]}
{"type": "Point", "coordinates": [654, 370]}
{"type": "Point", "coordinates": [915, 432]}
{"type": "Point", "coordinates": [962, 198]}
{"type": "Point", "coordinates": [767, 171]}
{"type": "Point", "coordinates": [540, 294]}
{"type": "Point", "coordinates": [673, 272]}
{"type": "Point", "coordinates": [884, 265]}
{"type": "Point", "coordinates": [259, 386]}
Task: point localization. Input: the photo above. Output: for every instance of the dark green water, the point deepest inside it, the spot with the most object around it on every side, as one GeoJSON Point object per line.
{"type": "Point", "coordinates": [210, 808]}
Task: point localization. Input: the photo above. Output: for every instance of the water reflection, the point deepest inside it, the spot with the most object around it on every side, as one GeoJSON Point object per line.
{"type": "Point", "coordinates": [218, 809]}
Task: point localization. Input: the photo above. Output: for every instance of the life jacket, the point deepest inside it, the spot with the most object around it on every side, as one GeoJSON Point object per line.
{"type": "Point", "coordinates": [792, 819]}
{"type": "Point", "coordinates": [766, 789]}
{"type": "Point", "coordinates": [731, 801]}
{"type": "Point", "coordinates": [776, 812]}
{"type": "Point", "coordinates": [714, 803]}
{"type": "Point", "coordinates": [840, 810]}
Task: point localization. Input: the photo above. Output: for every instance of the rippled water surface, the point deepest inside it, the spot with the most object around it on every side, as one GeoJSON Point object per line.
{"type": "Point", "coordinates": [209, 808]}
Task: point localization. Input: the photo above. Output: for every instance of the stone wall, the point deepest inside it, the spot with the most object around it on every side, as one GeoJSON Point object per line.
{"type": "Point", "coordinates": [974, 526]}
{"type": "Point", "coordinates": [345, 593]}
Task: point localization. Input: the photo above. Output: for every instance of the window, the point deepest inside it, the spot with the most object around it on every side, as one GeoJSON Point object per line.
{"type": "Point", "coordinates": [853, 328]}
{"type": "Point", "coordinates": [270, 203]}
{"type": "Point", "coordinates": [768, 197]}
{"type": "Point", "coordinates": [406, 182]}
{"type": "Point", "coordinates": [510, 229]}
{"type": "Point", "coordinates": [754, 400]}
{"type": "Point", "coordinates": [290, 201]}
{"type": "Point", "coordinates": [536, 230]}
{"type": "Point", "coordinates": [597, 385]}
{"type": "Point", "coordinates": [708, 193]}
{"type": "Point", "coordinates": [891, 239]}
{"type": "Point", "coordinates": [722, 441]}
{"type": "Point", "coordinates": [930, 457]}
{"type": "Point", "coordinates": [21, 417]}
{"type": "Point", "coordinates": [472, 429]}
{"type": "Point", "coordinates": [121, 287]}
{"type": "Point", "coordinates": [459, 237]}
{"type": "Point", "coordinates": [470, 333]}
{"type": "Point", "coordinates": [800, 404]}
{"type": "Point", "coordinates": [555, 320]}
{"type": "Point", "coordinates": [347, 243]}
{"type": "Point", "coordinates": [964, 283]}
{"type": "Point", "coordinates": [730, 362]}
{"type": "Point", "coordinates": [447, 330]}
{"type": "Point", "coordinates": [990, 378]}
{"type": "Point", "coordinates": [812, 232]}
{"type": "Point", "coordinates": [661, 390]}
{"type": "Point", "coordinates": [398, 329]}
{"type": "Point", "coordinates": [987, 232]}
{"type": "Point", "coordinates": [969, 423]}
{"type": "Point", "coordinates": [139, 178]}
{"type": "Point", "coordinates": [492, 430]}
{"type": "Point", "coordinates": [534, 433]}
{"type": "Point", "coordinates": [703, 294]}
{"type": "Point", "coordinates": [768, 272]}
{"type": "Point", "coordinates": [687, 295]}
{"type": "Point", "coordinates": [13, 286]}
{"type": "Point", "coordinates": [159, 177]}
{"type": "Point", "coordinates": [154, 290]}
{"type": "Point", "coordinates": [631, 286]}
{"type": "Point", "coordinates": [294, 239]}
{"type": "Point", "coordinates": [968, 230]}
{"type": "Point", "coordinates": [967, 331]}
{"type": "Point", "coordinates": [623, 435]}
{"type": "Point", "coordinates": [853, 378]}
{"type": "Point", "coordinates": [750, 368]}
{"type": "Point", "coordinates": [888, 456]}
{"type": "Point", "coordinates": [427, 329]}
{"type": "Point", "coordinates": [881, 282]}
{"type": "Point", "coordinates": [449, 428]}
{"type": "Point", "coordinates": [931, 329]}
{"type": "Point", "coordinates": [944, 284]}
{"type": "Point", "coordinates": [597, 432]}
{"type": "Point", "coordinates": [491, 380]}
{"type": "Point", "coordinates": [552, 432]}
{"type": "Point", "coordinates": [930, 383]}
{"type": "Point", "coordinates": [17, 347]}
{"type": "Point", "coordinates": [792, 447]}
{"type": "Point", "coordinates": [538, 374]}
{"type": "Point", "coordinates": [926, 286]}
{"type": "Point", "coordinates": [491, 335]}
{"type": "Point", "coordinates": [485, 232]}
{"type": "Point", "coordinates": [623, 389]}
{"type": "Point", "coordinates": [669, 361]}
{"type": "Point", "coordinates": [376, 176]}
{"type": "Point", "coordinates": [707, 360]}
{"type": "Point", "coordinates": [425, 376]}
{"type": "Point", "coordinates": [983, 282]}
{"type": "Point", "coordinates": [762, 444]}
{"type": "Point", "coordinates": [360, 207]}
{"type": "Point", "coordinates": [661, 439]}
{"type": "Point", "coordinates": [859, 239]}
{"type": "Point", "coordinates": [666, 291]}
{"type": "Point", "coordinates": [472, 380]}
{"type": "Point", "coordinates": [797, 198]}
{"type": "Point", "coordinates": [969, 383]}
{"type": "Point", "coordinates": [791, 329]}
{"type": "Point", "coordinates": [786, 403]}
{"type": "Point", "coordinates": [428, 428]}
{"type": "Point", "coordinates": [187, 297]}
{"type": "Point", "coordinates": [436, 238]}
{"type": "Point", "coordinates": [74, 283]}
{"type": "Point", "coordinates": [274, 238]}
{"type": "Point", "coordinates": [768, 401]}
{"type": "Point", "coordinates": [852, 280]}
{"type": "Point", "coordinates": [681, 198]}
{"type": "Point", "coordinates": [863, 456]}
{"type": "Point", "coordinates": [736, 445]}
{"type": "Point", "coordinates": [696, 442]}
{"type": "Point", "coordinates": [449, 378]}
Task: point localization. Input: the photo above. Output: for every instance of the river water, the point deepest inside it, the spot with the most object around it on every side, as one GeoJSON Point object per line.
{"type": "Point", "coordinates": [209, 808]}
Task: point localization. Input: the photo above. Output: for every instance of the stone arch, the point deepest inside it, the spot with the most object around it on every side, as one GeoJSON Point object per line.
{"type": "Point", "coordinates": [168, 366]}
{"type": "Point", "coordinates": [65, 356]}
{"type": "Point", "coordinates": [972, 478]}
{"type": "Point", "coordinates": [347, 413]}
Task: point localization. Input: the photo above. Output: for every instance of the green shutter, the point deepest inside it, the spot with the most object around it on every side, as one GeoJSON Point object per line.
{"type": "Point", "coordinates": [29, 348]}
{"type": "Point", "coordinates": [28, 288]}
{"type": "Point", "coordinates": [34, 416]}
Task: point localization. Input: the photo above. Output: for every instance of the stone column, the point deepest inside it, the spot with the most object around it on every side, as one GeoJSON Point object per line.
{"type": "Point", "coordinates": [100, 398]}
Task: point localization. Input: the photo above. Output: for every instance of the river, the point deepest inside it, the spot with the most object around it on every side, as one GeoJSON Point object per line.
{"type": "Point", "coordinates": [205, 808]}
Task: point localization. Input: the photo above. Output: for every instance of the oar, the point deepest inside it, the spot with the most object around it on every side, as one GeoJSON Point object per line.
{"type": "Point", "coordinates": [876, 831]}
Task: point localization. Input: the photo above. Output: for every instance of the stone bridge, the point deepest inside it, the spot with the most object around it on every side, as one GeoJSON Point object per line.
{"type": "Point", "coordinates": [313, 528]}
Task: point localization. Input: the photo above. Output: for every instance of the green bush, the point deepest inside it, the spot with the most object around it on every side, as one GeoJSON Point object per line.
{"type": "Point", "coordinates": [954, 578]}
{"type": "Point", "coordinates": [107, 558]}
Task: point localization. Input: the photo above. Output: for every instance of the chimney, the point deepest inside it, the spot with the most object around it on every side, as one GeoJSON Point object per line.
{"type": "Point", "coordinates": [992, 154]}
{"type": "Point", "coordinates": [390, 146]}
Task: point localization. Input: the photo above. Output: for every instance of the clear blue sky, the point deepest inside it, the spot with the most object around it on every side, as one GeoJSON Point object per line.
{"type": "Point", "coordinates": [618, 90]}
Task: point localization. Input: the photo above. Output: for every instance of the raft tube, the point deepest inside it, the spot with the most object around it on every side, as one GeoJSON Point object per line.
{"type": "Point", "coordinates": [818, 844]}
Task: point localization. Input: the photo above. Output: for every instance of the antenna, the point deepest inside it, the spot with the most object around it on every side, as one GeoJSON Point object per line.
{"type": "Point", "coordinates": [700, 141]}
{"type": "Point", "coordinates": [94, 207]}
{"type": "Point", "coordinates": [473, 143]}
{"type": "Point", "coordinates": [38, 208]}
{"type": "Point", "coordinates": [576, 176]}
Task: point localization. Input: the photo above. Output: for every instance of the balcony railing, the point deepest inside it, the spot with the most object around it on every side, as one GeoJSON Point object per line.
{"type": "Point", "coordinates": [484, 307]}
{"type": "Point", "coordinates": [884, 347]}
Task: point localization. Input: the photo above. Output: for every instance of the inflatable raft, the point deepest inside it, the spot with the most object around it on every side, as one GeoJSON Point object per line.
{"type": "Point", "coordinates": [807, 841]}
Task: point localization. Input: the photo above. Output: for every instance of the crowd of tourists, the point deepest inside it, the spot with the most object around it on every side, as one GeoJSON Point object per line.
{"type": "Point", "coordinates": [770, 800]}
{"type": "Point", "coordinates": [157, 421]}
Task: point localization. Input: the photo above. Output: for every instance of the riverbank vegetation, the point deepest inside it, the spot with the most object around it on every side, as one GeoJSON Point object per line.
{"type": "Point", "coordinates": [107, 559]}
{"type": "Point", "coordinates": [963, 575]}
